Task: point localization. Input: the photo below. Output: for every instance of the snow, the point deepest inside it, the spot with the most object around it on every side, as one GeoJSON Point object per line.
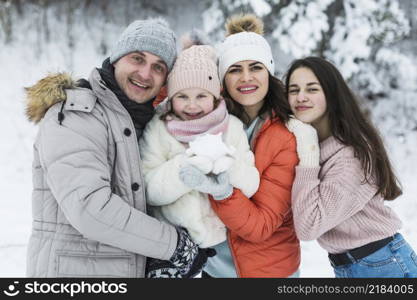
{"type": "Point", "coordinates": [209, 145]}
{"type": "Point", "coordinates": [405, 71]}
{"type": "Point", "coordinates": [31, 56]}
{"type": "Point", "coordinates": [23, 63]}
{"type": "Point", "coordinates": [260, 7]}
{"type": "Point", "coordinates": [211, 17]}
{"type": "Point", "coordinates": [300, 38]}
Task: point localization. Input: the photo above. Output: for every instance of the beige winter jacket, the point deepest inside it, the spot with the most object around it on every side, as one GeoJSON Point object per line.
{"type": "Point", "coordinates": [89, 208]}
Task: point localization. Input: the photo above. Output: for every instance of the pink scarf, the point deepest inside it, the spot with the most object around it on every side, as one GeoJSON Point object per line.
{"type": "Point", "coordinates": [213, 123]}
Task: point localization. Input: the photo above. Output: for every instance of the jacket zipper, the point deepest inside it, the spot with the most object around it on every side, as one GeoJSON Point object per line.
{"type": "Point", "coordinates": [142, 182]}
{"type": "Point", "coordinates": [142, 179]}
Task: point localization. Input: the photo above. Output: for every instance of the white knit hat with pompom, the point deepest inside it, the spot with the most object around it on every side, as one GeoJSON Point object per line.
{"type": "Point", "coordinates": [244, 42]}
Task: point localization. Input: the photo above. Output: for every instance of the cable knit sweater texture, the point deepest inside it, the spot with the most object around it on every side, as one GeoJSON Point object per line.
{"type": "Point", "coordinates": [333, 204]}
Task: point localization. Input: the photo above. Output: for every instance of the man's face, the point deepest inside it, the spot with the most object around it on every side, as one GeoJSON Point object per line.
{"type": "Point", "coordinates": [140, 75]}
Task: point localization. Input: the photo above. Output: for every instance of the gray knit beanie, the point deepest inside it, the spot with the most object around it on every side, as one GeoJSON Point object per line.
{"type": "Point", "coordinates": [152, 35]}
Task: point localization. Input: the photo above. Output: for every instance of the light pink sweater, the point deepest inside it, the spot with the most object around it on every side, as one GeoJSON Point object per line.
{"type": "Point", "coordinates": [332, 204]}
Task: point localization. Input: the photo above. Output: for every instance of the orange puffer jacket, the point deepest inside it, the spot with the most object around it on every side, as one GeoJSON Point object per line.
{"type": "Point", "coordinates": [261, 231]}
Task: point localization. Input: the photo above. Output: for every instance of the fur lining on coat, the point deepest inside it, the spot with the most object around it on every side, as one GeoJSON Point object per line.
{"type": "Point", "coordinates": [45, 93]}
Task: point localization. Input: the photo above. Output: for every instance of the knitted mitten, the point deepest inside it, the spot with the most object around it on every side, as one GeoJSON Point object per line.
{"type": "Point", "coordinates": [187, 261]}
{"type": "Point", "coordinates": [307, 142]}
{"type": "Point", "coordinates": [156, 268]}
{"type": "Point", "coordinates": [218, 186]}
{"type": "Point", "coordinates": [188, 258]}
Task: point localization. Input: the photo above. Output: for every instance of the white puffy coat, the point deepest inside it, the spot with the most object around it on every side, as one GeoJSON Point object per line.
{"type": "Point", "coordinates": [172, 200]}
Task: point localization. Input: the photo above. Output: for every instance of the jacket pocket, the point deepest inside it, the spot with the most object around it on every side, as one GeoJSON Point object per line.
{"type": "Point", "coordinates": [83, 264]}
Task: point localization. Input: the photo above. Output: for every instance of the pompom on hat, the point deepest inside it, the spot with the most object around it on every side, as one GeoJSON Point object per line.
{"type": "Point", "coordinates": [152, 35]}
{"type": "Point", "coordinates": [195, 67]}
{"type": "Point", "coordinates": [244, 41]}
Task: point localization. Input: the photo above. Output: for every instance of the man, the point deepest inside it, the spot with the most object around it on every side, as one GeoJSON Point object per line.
{"type": "Point", "coordinates": [89, 206]}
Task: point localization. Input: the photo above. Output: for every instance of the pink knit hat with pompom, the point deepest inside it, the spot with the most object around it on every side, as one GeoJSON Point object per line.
{"type": "Point", "coordinates": [195, 67]}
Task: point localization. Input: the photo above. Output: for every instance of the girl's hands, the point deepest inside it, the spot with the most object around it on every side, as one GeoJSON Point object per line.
{"type": "Point", "coordinates": [218, 186]}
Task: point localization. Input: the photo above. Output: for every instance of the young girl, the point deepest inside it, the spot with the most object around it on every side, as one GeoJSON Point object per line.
{"type": "Point", "coordinates": [343, 177]}
{"type": "Point", "coordinates": [261, 237]}
{"type": "Point", "coordinates": [195, 112]}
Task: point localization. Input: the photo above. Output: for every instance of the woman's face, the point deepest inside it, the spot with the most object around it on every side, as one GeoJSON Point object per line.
{"type": "Point", "coordinates": [306, 98]}
{"type": "Point", "coordinates": [192, 103]}
{"type": "Point", "coordinates": [247, 83]}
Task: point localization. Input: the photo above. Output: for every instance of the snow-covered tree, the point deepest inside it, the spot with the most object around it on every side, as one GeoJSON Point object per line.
{"type": "Point", "coordinates": [372, 42]}
{"type": "Point", "coordinates": [358, 36]}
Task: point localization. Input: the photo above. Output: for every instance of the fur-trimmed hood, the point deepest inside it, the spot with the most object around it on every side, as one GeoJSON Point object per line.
{"type": "Point", "coordinates": [45, 93]}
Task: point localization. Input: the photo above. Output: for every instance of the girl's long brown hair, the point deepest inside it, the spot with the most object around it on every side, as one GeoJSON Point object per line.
{"type": "Point", "coordinates": [349, 125]}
